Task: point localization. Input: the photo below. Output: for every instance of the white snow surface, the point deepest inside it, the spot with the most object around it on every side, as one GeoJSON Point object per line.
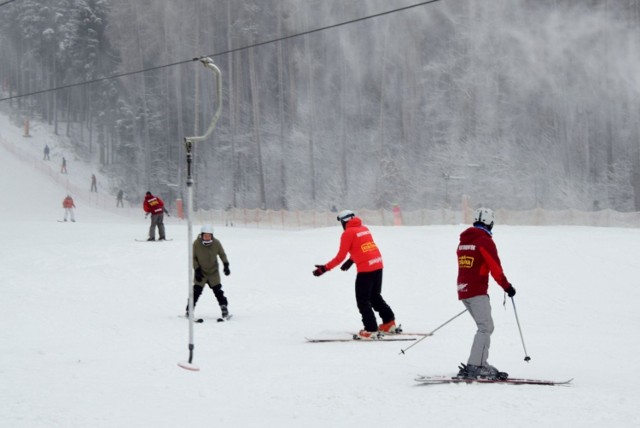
{"type": "Point", "coordinates": [91, 336]}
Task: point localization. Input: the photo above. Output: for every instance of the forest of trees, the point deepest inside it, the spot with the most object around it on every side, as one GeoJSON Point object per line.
{"type": "Point", "coordinates": [515, 103]}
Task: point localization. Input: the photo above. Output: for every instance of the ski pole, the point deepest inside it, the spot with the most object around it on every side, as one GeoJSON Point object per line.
{"type": "Point", "coordinates": [402, 351]}
{"type": "Point", "coordinates": [527, 358]}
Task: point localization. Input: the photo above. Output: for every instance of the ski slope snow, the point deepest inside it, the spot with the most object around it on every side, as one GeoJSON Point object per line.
{"type": "Point", "coordinates": [91, 336]}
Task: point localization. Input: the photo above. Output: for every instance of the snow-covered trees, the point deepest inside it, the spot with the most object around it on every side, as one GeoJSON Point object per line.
{"type": "Point", "coordinates": [514, 103]}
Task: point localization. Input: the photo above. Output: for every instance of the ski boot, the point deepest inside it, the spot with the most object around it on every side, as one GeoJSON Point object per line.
{"type": "Point", "coordinates": [390, 328]}
{"type": "Point", "coordinates": [367, 335]}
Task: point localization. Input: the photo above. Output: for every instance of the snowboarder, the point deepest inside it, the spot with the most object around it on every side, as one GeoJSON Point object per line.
{"type": "Point", "coordinates": [68, 206]}
{"type": "Point", "coordinates": [155, 206]}
{"type": "Point", "coordinates": [358, 242]}
{"type": "Point", "coordinates": [46, 152]}
{"type": "Point", "coordinates": [119, 202]}
{"type": "Point", "coordinates": [206, 250]}
{"type": "Point", "coordinates": [94, 183]}
{"type": "Point", "coordinates": [63, 167]}
{"type": "Point", "coordinates": [477, 257]}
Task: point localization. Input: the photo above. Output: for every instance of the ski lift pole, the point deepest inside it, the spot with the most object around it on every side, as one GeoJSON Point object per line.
{"type": "Point", "coordinates": [189, 144]}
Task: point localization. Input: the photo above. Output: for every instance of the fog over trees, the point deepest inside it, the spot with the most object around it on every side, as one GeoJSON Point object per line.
{"type": "Point", "coordinates": [515, 103]}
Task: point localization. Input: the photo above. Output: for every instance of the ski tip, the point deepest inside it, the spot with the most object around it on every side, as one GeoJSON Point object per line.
{"type": "Point", "coordinates": [188, 366]}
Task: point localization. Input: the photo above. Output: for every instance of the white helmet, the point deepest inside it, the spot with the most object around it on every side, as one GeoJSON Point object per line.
{"type": "Point", "coordinates": [207, 228]}
{"type": "Point", "coordinates": [345, 215]}
{"type": "Point", "coordinates": [484, 216]}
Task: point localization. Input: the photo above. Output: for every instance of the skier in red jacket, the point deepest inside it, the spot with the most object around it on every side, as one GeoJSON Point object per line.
{"type": "Point", "coordinates": [155, 206]}
{"type": "Point", "coordinates": [68, 206]}
{"type": "Point", "coordinates": [477, 257]}
{"type": "Point", "coordinates": [358, 242]}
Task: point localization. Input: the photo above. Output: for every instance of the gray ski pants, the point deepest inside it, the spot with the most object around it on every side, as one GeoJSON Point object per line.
{"type": "Point", "coordinates": [157, 220]}
{"type": "Point", "coordinates": [480, 309]}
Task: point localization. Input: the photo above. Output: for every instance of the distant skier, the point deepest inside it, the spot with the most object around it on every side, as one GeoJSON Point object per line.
{"type": "Point", "coordinates": [46, 152]}
{"type": "Point", "coordinates": [68, 206]}
{"type": "Point", "coordinates": [358, 242]}
{"type": "Point", "coordinates": [155, 206]}
{"type": "Point", "coordinates": [94, 183]}
{"type": "Point", "coordinates": [206, 250]}
{"type": "Point", "coordinates": [63, 167]}
{"type": "Point", "coordinates": [119, 198]}
{"type": "Point", "coordinates": [228, 216]}
{"type": "Point", "coordinates": [477, 257]}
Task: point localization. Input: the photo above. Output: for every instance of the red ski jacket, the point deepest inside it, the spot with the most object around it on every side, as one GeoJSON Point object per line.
{"type": "Point", "coordinates": [358, 242]}
{"type": "Point", "coordinates": [153, 204]}
{"type": "Point", "coordinates": [477, 257]}
{"type": "Point", "coordinates": [68, 203]}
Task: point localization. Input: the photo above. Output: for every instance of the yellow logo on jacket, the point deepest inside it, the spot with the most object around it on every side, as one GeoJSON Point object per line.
{"type": "Point", "coordinates": [368, 246]}
{"type": "Point", "coordinates": [465, 261]}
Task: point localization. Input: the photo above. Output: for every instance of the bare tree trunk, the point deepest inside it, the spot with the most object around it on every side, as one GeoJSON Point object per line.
{"type": "Point", "coordinates": [232, 107]}
{"type": "Point", "coordinates": [281, 117]}
{"type": "Point", "coordinates": [381, 118]}
{"type": "Point", "coordinates": [68, 130]}
{"type": "Point", "coordinates": [255, 107]}
{"type": "Point", "coordinates": [56, 94]}
{"type": "Point", "coordinates": [144, 134]}
{"type": "Point", "coordinates": [311, 115]}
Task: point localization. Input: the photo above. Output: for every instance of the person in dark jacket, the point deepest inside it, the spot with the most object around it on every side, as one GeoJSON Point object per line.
{"type": "Point", "coordinates": [477, 258]}
{"type": "Point", "coordinates": [155, 206]}
{"type": "Point", "coordinates": [206, 251]}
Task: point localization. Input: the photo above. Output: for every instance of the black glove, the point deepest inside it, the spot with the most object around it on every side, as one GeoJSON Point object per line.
{"type": "Point", "coordinates": [146, 215]}
{"type": "Point", "coordinates": [346, 265]}
{"type": "Point", "coordinates": [320, 269]}
{"type": "Point", "coordinates": [227, 272]}
{"type": "Point", "coordinates": [198, 275]}
{"type": "Point", "coordinates": [510, 291]}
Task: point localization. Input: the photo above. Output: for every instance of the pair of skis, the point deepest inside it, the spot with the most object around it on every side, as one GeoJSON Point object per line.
{"type": "Point", "coordinates": [396, 337]}
{"type": "Point", "coordinates": [201, 320]}
{"type": "Point", "coordinates": [439, 380]}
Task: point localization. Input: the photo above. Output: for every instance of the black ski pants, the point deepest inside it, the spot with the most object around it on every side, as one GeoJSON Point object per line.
{"type": "Point", "coordinates": [369, 299]}
{"type": "Point", "coordinates": [217, 291]}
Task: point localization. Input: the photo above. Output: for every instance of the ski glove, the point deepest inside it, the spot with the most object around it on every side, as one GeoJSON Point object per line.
{"type": "Point", "coordinates": [346, 265]}
{"type": "Point", "coordinates": [510, 291]}
{"type": "Point", "coordinates": [198, 275]}
{"type": "Point", "coordinates": [227, 271]}
{"type": "Point", "coordinates": [320, 269]}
